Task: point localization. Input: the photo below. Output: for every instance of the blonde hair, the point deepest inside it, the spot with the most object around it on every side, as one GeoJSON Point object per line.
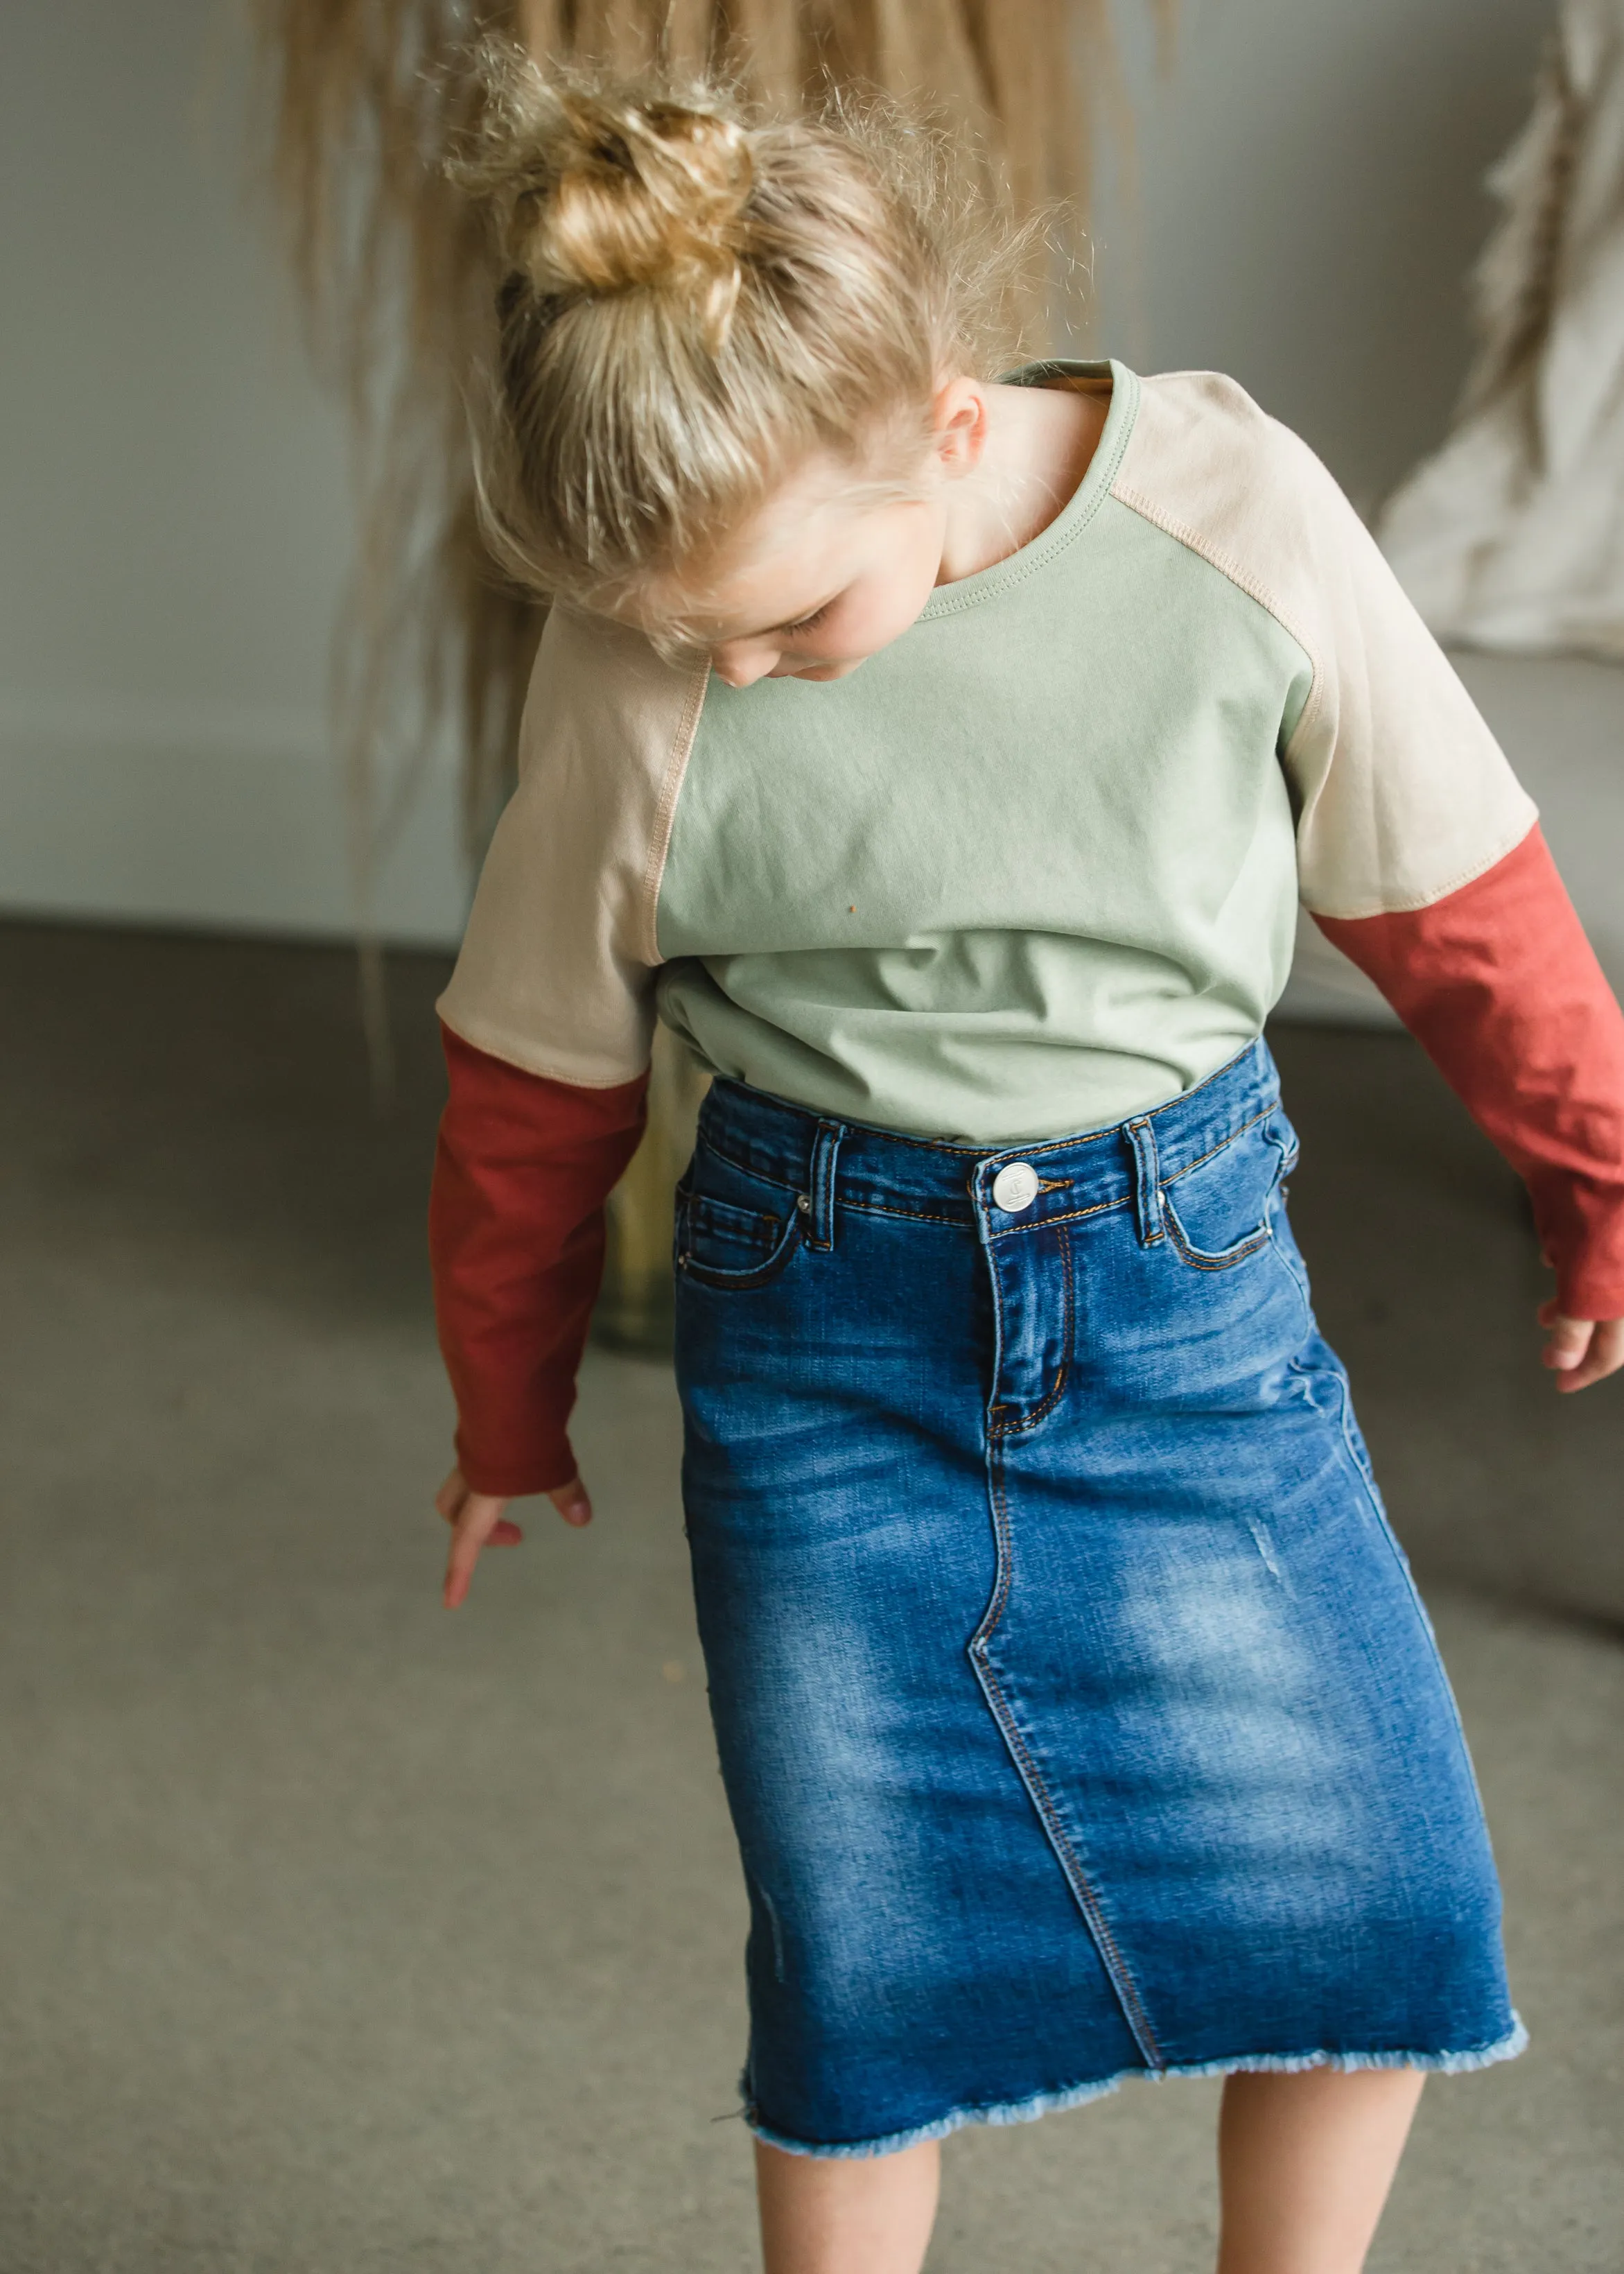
{"type": "Point", "coordinates": [692, 304]}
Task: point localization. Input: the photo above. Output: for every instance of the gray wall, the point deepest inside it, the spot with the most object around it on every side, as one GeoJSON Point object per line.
{"type": "Point", "coordinates": [173, 517]}
{"type": "Point", "coordinates": [1311, 199]}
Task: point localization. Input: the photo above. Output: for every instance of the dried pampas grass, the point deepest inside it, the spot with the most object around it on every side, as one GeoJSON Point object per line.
{"type": "Point", "coordinates": [364, 99]}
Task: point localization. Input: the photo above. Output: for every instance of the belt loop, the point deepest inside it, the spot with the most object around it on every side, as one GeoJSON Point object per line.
{"type": "Point", "coordinates": [818, 1205]}
{"type": "Point", "coordinates": [1147, 1183]}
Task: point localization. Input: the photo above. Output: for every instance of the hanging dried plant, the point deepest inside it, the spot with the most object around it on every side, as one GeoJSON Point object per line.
{"type": "Point", "coordinates": [365, 101]}
{"type": "Point", "coordinates": [365, 98]}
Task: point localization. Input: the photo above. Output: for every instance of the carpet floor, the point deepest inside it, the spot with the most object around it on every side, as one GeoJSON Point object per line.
{"type": "Point", "coordinates": [339, 1935]}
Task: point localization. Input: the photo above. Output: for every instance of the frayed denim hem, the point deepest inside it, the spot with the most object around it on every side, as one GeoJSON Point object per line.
{"type": "Point", "coordinates": [1046, 2104]}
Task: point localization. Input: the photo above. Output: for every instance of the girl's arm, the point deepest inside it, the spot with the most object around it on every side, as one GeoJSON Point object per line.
{"type": "Point", "coordinates": [1499, 984]}
{"type": "Point", "coordinates": [1418, 851]}
{"type": "Point", "coordinates": [547, 1021]}
{"type": "Point", "coordinates": [523, 1166]}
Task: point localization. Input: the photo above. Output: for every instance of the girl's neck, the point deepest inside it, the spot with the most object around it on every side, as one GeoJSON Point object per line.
{"type": "Point", "coordinates": [1038, 446]}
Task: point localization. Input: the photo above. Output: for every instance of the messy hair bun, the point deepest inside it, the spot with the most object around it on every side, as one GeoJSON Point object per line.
{"type": "Point", "coordinates": [690, 301]}
{"type": "Point", "coordinates": [604, 193]}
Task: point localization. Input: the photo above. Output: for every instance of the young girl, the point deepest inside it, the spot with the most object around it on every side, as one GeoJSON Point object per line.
{"type": "Point", "coordinates": [1077, 1715]}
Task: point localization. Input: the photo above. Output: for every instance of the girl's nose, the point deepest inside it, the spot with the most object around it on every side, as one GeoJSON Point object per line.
{"type": "Point", "coordinates": [741, 666]}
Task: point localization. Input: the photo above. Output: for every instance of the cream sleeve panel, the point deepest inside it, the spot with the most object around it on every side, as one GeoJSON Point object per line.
{"type": "Point", "coordinates": [557, 969]}
{"type": "Point", "coordinates": [1402, 792]}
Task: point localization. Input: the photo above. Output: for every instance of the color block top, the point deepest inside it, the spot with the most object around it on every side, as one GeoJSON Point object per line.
{"type": "Point", "coordinates": [1031, 870]}
{"type": "Point", "coordinates": [1034, 867]}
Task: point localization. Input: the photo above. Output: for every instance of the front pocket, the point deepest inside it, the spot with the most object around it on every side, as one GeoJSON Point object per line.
{"type": "Point", "coordinates": [1218, 1209]}
{"type": "Point", "coordinates": [724, 1246]}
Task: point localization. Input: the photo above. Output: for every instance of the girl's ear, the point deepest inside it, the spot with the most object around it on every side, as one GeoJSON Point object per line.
{"type": "Point", "coordinates": [958, 424]}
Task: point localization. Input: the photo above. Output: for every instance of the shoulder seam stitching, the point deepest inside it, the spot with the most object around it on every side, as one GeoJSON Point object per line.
{"type": "Point", "coordinates": [665, 812]}
{"type": "Point", "coordinates": [1138, 502]}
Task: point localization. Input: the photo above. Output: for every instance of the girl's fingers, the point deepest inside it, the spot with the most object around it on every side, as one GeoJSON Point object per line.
{"type": "Point", "coordinates": [1566, 1340]}
{"type": "Point", "coordinates": [1580, 1351]}
{"type": "Point", "coordinates": [572, 1503]}
{"type": "Point", "coordinates": [1603, 1357]}
{"type": "Point", "coordinates": [478, 1520]}
{"type": "Point", "coordinates": [466, 1543]}
{"type": "Point", "coordinates": [454, 1496]}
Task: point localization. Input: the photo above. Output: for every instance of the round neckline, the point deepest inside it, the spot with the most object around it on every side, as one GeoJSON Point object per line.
{"type": "Point", "coordinates": [1079, 509]}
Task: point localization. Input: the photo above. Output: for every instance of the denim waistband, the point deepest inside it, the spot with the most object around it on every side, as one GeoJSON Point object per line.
{"type": "Point", "coordinates": [825, 1161]}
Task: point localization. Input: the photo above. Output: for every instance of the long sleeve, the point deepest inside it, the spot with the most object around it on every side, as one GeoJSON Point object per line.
{"type": "Point", "coordinates": [523, 1167]}
{"type": "Point", "coordinates": [1419, 853]}
{"type": "Point", "coordinates": [547, 1023]}
{"type": "Point", "coordinates": [1500, 985]}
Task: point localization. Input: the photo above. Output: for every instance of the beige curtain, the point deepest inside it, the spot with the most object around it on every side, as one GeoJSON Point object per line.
{"type": "Point", "coordinates": [1512, 536]}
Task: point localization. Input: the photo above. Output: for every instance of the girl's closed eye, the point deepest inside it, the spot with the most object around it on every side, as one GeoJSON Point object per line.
{"type": "Point", "coordinates": [807, 623]}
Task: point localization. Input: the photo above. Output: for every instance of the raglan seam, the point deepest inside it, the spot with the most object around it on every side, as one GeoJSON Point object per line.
{"type": "Point", "coordinates": [665, 814]}
{"type": "Point", "coordinates": [1182, 533]}
{"type": "Point", "coordinates": [1226, 565]}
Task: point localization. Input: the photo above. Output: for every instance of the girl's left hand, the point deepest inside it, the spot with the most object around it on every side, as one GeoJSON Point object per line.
{"type": "Point", "coordinates": [1580, 1351]}
{"type": "Point", "coordinates": [477, 1520]}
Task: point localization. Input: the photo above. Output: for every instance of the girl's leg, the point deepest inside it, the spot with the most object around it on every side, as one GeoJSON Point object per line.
{"type": "Point", "coordinates": [1304, 2163]}
{"type": "Point", "coordinates": [846, 2215]}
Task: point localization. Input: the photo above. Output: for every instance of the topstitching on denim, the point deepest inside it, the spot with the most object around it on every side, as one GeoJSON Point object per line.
{"type": "Point", "coordinates": [960, 1219]}
{"type": "Point", "coordinates": [1083, 1889]}
{"type": "Point", "coordinates": [878, 1165]}
{"type": "Point", "coordinates": [1172, 1175]}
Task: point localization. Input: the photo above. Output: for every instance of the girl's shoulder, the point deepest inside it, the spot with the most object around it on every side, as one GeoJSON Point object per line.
{"type": "Point", "coordinates": [1209, 465]}
{"type": "Point", "coordinates": [598, 685]}
{"type": "Point", "coordinates": [561, 943]}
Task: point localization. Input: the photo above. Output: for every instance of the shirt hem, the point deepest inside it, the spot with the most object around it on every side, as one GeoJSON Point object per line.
{"type": "Point", "coordinates": [526, 1062]}
{"type": "Point", "coordinates": [1416, 904]}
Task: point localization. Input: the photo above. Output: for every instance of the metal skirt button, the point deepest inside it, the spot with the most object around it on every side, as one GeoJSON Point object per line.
{"type": "Point", "coordinates": [1015, 1186]}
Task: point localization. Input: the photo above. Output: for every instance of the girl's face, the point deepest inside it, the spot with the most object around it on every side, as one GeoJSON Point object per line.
{"type": "Point", "coordinates": [834, 567]}
{"type": "Point", "coordinates": [816, 582]}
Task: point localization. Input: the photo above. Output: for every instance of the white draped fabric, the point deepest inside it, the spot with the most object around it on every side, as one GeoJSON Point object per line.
{"type": "Point", "coordinates": [1512, 537]}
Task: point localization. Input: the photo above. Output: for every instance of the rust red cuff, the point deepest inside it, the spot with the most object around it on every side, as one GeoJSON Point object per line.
{"type": "Point", "coordinates": [1500, 985]}
{"type": "Point", "coordinates": [521, 1171]}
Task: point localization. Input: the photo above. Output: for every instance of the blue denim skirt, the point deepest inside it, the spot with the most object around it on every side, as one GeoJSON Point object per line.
{"type": "Point", "coordinates": [1078, 1715]}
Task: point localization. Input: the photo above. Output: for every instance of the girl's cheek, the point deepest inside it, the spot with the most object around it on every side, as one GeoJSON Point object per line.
{"type": "Point", "coordinates": [890, 616]}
